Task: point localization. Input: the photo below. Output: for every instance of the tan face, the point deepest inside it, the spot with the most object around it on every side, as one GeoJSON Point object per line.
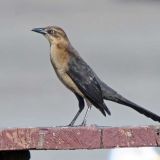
{"type": "Point", "coordinates": [54, 34]}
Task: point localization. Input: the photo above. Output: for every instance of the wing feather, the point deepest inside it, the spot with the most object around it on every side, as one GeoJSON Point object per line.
{"type": "Point", "coordinates": [85, 79]}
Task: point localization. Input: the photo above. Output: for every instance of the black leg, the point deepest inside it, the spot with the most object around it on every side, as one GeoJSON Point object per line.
{"type": "Point", "coordinates": [81, 107]}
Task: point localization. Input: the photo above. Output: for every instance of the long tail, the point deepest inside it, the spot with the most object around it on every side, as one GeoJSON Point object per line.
{"type": "Point", "coordinates": [110, 94]}
{"type": "Point", "coordinates": [147, 113]}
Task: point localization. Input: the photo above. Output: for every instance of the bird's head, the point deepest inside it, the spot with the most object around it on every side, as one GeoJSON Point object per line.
{"type": "Point", "coordinates": [54, 34]}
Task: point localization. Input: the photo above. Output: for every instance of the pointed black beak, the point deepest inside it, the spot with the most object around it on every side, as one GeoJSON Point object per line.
{"type": "Point", "coordinates": [39, 30]}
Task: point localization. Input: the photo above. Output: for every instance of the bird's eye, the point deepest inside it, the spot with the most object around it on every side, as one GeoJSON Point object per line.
{"type": "Point", "coordinates": [50, 31]}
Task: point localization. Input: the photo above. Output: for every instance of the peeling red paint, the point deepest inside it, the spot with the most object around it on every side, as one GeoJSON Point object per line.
{"type": "Point", "coordinates": [91, 137]}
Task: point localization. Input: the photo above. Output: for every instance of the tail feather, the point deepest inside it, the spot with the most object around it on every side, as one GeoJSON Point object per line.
{"type": "Point", "coordinates": [112, 95]}
{"type": "Point", "coordinates": [147, 113]}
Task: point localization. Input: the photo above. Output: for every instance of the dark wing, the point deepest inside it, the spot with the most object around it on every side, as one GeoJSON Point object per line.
{"type": "Point", "coordinates": [86, 81]}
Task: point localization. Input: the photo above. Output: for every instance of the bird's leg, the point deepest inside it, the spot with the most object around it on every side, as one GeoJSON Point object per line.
{"type": "Point", "coordinates": [75, 117]}
{"type": "Point", "coordinates": [71, 124]}
{"type": "Point", "coordinates": [85, 116]}
{"type": "Point", "coordinates": [81, 107]}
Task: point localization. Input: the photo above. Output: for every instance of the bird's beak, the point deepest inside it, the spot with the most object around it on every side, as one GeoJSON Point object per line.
{"type": "Point", "coordinates": [39, 30]}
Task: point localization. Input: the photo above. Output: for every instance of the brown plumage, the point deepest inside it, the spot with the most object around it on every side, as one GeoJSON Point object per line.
{"type": "Point", "coordinates": [60, 58]}
{"type": "Point", "coordinates": [77, 76]}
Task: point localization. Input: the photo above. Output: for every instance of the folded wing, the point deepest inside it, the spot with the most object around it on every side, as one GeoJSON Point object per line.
{"type": "Point", "coordinates": [86, 81]}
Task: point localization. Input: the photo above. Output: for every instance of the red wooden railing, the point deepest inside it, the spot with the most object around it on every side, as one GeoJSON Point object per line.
{"type": "Point", "coordinates": [15, 143]}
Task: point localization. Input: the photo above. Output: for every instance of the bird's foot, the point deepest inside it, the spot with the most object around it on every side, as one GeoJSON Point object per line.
{"type": "Point", "coordinates": [69, 125]}
{"type": "Point", "coordinates": [83, 124]}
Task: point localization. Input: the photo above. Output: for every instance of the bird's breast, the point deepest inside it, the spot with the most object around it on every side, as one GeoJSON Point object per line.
{"type": "Point", "coordinates": [60, 62]}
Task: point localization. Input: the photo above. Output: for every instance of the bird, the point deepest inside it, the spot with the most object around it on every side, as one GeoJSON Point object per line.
{"type": "Point", "coordinates": [73, 71]}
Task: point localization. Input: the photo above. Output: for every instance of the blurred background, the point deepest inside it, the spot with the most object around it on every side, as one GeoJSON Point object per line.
{"type": "Point", "coordinates": [118, 38]}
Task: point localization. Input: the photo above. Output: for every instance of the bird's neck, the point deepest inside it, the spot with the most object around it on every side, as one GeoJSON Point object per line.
{"type": "Point", "coordinates": [59, 56]}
